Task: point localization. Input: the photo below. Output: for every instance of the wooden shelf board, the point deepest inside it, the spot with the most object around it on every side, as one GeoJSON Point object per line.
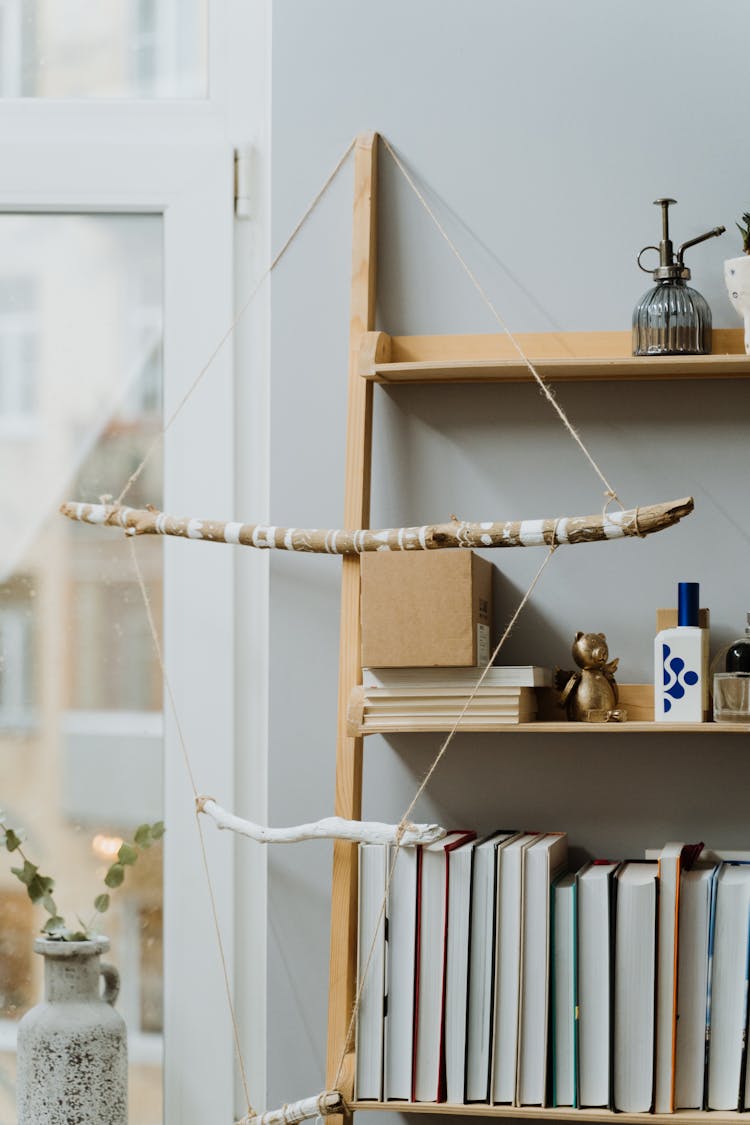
{"type": "Point", "coordinates": [570, 356]}
{"type": "Point", "coordinates": [640, 368]}
{"type": "Point", "coordinates": [563, 1113]}
{"type": "Point", "coordinates": [576, 728]}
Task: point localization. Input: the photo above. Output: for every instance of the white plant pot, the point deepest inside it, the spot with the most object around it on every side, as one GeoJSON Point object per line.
{"type": "Point", "coordinates": [72, 1048]}
{"type": "Point", "coordinates": [737, 279]}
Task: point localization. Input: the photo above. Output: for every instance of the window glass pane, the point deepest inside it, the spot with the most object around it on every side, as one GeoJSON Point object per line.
{"type": "Point", "coordinates": [80, 688]}
{"type": "Point", "coordinates": [119, 49]}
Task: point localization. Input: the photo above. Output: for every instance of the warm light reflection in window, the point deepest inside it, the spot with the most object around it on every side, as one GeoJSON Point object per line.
{"type": "Point", "coordinates": [106, 847]}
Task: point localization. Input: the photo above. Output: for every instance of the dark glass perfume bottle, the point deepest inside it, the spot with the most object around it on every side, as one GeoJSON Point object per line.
{"type": "Point", "coordinates": [672, 318]}
{"type": "Point", "coordinates": [738, 653]}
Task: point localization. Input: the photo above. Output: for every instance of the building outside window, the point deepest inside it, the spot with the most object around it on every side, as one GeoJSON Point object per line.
{"type": "Point", "coordinates": [17, 696]}
{"type": "Point", "coordinates": [19, 356]}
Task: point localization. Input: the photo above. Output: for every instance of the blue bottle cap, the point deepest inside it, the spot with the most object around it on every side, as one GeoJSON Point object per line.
{"type": "Point", "coordinates": [688, 602]}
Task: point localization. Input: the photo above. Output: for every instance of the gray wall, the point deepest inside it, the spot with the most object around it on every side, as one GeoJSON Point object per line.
{"type": "Point", "coordinates": [541, 132]}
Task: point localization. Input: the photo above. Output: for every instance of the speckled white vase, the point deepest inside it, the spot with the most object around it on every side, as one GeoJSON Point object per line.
{"type": "Point", "coordinates": [737, 279]}
{"type": "Point", "coordinates": [72, 1049]}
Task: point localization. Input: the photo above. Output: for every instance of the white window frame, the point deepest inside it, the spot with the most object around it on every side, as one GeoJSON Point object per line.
{"type": "Point", "coordinates": [174, 158]}
{"type": "Point", "coordinates": [191, 188]}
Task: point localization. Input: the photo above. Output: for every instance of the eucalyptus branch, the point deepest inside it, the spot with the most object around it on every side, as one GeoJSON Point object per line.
{"type": "Point", "coordinates": [39, 887]}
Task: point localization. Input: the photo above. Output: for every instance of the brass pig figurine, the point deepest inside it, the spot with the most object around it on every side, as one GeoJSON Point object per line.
{"type": "Point", "coordinates": [593, 689]}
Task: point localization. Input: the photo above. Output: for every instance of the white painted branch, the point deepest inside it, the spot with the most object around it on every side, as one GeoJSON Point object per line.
{"type": "Point", "coordinates": [330, 1101]}
{"type": "Point", "coordinates": [507, 533]}
{"type": "Point", "coordinates": [330, 828]}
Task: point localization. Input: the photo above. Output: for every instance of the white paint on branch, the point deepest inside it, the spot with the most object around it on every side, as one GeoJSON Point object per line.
{"type": "Point", "coordinates": [330, 1101]}
{"type": "Point", "coordinates": [506, 533]}
{"type": "Point", "coordinates": [330, 828]}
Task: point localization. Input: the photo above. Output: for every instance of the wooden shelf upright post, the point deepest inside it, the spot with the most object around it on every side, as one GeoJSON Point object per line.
{"type": "Point", "coordinates": [343, 963]}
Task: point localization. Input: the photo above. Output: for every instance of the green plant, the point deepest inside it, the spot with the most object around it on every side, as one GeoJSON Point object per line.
{"type": "Point", "coordinates": [744, 229]}
{"type": "Point", "coordinates": [39, 887]}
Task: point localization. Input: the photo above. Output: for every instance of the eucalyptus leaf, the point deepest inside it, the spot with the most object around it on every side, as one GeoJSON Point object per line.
{"type": "Point", "coordinates": [36, 889]}
{"type": "Point", "coordinates": [101, 904]}
{"type": "Point", "coordinates": [12, 841]}
{"type": "Point", "coordinates": [158, 829]}
{"type": "Point", "coordinates": [127, 854]}
{"type": "Point", "coordinates": [115, 875]}
{"type": "Point", "coordinates": [49, 905]}
{"type": "Point", "coordinates": [26, 874]}
{"type": "Point", "coordinates": [142, 836]}
{"type": "Point", "coordinates": [54, 925]}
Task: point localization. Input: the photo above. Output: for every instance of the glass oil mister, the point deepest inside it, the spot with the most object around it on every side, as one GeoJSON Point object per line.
{"type": "Point", "coordinates": [672, 318]}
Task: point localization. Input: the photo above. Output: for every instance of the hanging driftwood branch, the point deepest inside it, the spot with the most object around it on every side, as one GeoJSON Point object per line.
{"type": "Point", "coordinates": [330, 1101]}
{"type": "Point", "coordinates": [330, 828]}
{"type": "Point", "coordinates": [509, 533]}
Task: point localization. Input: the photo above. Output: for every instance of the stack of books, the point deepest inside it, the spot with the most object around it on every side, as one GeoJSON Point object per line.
{"type": "Point", "coordinates": [433, 699]}
{"type": "Point", "coordinates": [498, 976]}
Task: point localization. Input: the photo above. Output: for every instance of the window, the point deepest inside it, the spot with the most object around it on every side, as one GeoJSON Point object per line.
{"type": "Point", "coordinates": [11, 40]}
{"type": "Point", "coordinates": [17, 703]}
{"type": "Point", "coordinates": [124, 48]}
{"type": "Point", "coordinates": [19, 356]}
{"type": "Point", "coordinates": [71, 164]}
{"type": "Point", "coordinates": [101, 293]}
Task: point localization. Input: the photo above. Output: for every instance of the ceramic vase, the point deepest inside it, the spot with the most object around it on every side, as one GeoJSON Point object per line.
{"type": "Point", "coordinates": [737, 278]}
{"type": "Point", "coordinates": [72, 1048]}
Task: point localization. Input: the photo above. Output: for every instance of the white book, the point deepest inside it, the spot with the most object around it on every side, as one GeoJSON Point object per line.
{"type": "Point", "coordinates": [373, 868]}
{"type": "Point", "coordinates": [728, 986]}
{"type": "Point", "coordinates": [508, 969]}
{"type": "Point", "coordinates": [595, 968]}
{"type": "Point", "coordinates": [457, 970]}
{"type": "Point", "coordinates": [497, 676]}
{"type": "Point", "coordinates": [635, 981]}
{"type": "Point", "coordinates": [564, 991]}
{"type": "Point", "coordinates": [402, 948]}
{"type": "Point", "coordinates": [432, 918]}
{"type": "Point", "coordinates": [545, 859]}
{"type": "Point", "coordinates": [482, 964]}
{"type": "Point", "coordinates": [696, 889]}
{"type": "Point", "coordinates": [442, 723]}
{"type": "Point", "coordinates": [462, 691]}
{"type": "Point", "coordinates": [439, 706]}
{"type": "Point", "coordinates": [440, 710]}
{"type": "Point", "coordinates": [666, 978]}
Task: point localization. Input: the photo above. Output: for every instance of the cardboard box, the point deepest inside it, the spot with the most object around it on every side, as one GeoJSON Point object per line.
{"type": "Point", "coordinates": [425, 609]}
{"type": "Point", "coordinates": [667, 619]}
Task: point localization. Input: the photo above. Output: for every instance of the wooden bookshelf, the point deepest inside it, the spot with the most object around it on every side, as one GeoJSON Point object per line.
{"type": "Point", "coordinates": [560, 357]}
{"type": "Point", "coordinates": [378, 358]}
{"type": "Point", "coordinates": [564, 1113]}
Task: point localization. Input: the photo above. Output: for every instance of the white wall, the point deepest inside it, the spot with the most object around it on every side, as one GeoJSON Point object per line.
{"type": "Point", "coordinates": [541, 132]}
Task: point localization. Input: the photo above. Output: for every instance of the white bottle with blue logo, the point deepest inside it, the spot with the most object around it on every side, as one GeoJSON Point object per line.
{"type": "Point", "coordinates": [680, 663]}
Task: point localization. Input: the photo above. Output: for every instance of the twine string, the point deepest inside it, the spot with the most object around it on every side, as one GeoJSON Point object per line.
{"type": "Point", "coordinates": [544, 388]}
{"type": "Point", "coordinates": [204, 856]}
{"type": "Point", "coordinates": [410, 808]}
{"type": "Point", "coordinates": [235, 321]}
{"type": "Point", "coordinates": [610, 493]}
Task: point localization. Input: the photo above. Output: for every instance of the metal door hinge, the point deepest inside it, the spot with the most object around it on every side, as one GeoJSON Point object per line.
{"type": "Point", "coordinates": [243, 157]}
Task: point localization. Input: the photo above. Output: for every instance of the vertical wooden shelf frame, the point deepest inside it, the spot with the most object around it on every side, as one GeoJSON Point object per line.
{"type": "Point", "coordinates": [343, 964]}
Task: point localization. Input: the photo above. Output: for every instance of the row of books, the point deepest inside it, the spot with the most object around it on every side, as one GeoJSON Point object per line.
{"type": "Point", "coordinates": [496, 975]}
{"type": "Point", "coordinates": [425, 699]}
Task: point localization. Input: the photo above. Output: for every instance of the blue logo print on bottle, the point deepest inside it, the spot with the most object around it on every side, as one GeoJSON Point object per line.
{"type": "Point", "coordinates": [675, 677]}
